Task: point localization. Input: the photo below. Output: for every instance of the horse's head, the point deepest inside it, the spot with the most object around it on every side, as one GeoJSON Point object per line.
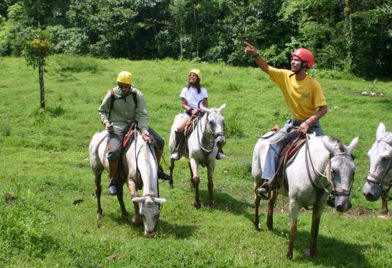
{"type": "Point", "coordinates": [150, 211]}
{"type": "Point", "coordinates": [216, 124]}
{"type": "Point", "coordinates": [342, 169]}
{"type": "Point", "coordinates": [378, 180]}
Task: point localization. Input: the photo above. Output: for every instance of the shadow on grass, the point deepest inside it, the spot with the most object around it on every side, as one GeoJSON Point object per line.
{"type": "Point", "coordinates": [331, 251]}
{"type": "Point", "coordinates": [225, 202]}
{"type": "Point", "coordinates": [164, 227]}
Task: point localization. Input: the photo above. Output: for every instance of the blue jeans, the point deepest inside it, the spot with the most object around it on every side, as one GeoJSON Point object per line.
{"type": "Point", "coordinates": [279, 140]}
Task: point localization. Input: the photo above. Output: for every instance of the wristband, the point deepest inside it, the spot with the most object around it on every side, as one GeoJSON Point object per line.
{"type": "Point", "coordinates": [306, 122]}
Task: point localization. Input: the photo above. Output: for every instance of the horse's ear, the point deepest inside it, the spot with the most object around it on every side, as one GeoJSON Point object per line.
{"type": "Point", "coordinates": [380, 130]}
{"type": "Point", "coordinates": [222, 108]}
{"type": "Point", "coordinates": [352, 145]}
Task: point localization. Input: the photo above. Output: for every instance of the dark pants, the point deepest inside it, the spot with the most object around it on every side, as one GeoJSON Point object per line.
{"type": "Point", "coordinates": [115, 142]}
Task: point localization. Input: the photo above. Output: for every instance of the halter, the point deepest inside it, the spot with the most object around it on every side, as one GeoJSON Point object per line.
{"type": "Point", "coordinates": [207, 137]}
{"type": "Point", "coordinates": [329, 176]}
{"type": "Point", "coordinates": [380, 178]}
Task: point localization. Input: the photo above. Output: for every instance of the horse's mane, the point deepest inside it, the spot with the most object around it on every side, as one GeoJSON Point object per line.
{"type": "Point", "coordinates": [336, 143]}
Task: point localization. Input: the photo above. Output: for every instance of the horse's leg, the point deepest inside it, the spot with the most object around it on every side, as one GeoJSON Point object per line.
{"type": "Point", "coordinates": [172, 165]}
{"type": "Point", "coordinates": [384, 205]}
{"type": "Point", "coordinates": [316, 215]}
{"type": "Point", "coordinates": [191, 173]}
{"type": "Point", "coordinates": [270, 215]}
{"type": "Point", "coordinates": [98, 192]}
{"type": "Point", "coordinates": [120, 193]}
{"type": "Point", "coordinates": [195, 181]}
{"type": "Point", "coordinates": [210, 173]}
{"type": "Point", "coordinates": [294, 209]}
{"type": "Point", "coordinates": [256, 220]}
{"type": "Point", "coordinates": [136, 218]}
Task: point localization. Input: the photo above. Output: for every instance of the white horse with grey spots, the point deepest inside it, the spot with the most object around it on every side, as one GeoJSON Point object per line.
{"type": "Point", "coordinates": [201, 148]}
{"type": "Point", "coordinates": [379, 178]}
{"type": "Point", "coordinates": [140, 170]}
{"type": "Point", "coordinates": [322, 166]}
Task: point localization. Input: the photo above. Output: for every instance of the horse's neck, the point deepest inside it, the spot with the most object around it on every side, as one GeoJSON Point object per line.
{"type": "Point", "coordinates": [147, 166]}
{"type": "Point", "coordinates": [205, 138]}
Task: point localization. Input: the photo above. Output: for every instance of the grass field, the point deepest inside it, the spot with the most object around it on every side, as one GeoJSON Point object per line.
{"type": "Point", "coordinates": [48, 208]}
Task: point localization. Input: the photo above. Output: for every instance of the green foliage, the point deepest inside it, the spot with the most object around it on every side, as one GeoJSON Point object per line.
{"type": "Point", "coordinates": [344, 35]}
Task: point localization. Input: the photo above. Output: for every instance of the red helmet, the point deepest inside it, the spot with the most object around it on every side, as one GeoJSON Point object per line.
{"type": "Point", "coordinates": [305, 55]}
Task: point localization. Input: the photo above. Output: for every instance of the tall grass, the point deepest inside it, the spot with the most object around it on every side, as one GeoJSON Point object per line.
{"type": "Point", "coordinates": [48, 207]}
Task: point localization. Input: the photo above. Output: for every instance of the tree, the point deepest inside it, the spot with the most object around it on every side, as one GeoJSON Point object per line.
{"type": "Point", "coordinates": [36, 51]}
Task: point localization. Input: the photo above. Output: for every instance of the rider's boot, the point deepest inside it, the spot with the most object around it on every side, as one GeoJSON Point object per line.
{"type": "Point", "coordinates": [220, 154]}
{"type": "Point", "coordinates": [113, 168]}
{"type": "Point", "coordinates": [266, 187]}
{"type": "Point", "coordinates": [179, 137]}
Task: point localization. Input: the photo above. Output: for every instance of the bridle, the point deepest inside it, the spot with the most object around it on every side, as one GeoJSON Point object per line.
{"type": "Point", "coordinates": [206, 135]}
{"type": "Point", "coordinates": [379, 179]}
{"type": "Point", "coordinates": [329, 176]}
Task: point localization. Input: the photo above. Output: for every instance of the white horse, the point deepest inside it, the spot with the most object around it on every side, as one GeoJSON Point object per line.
{"type": "Point", "coordinates": [379, 178]}
{"type": "Point", "coordinates": [322, 166]}
{"type": "Point", "coordinates": [201, 148]}
{"type": "Point", "coordinates": [139, 169]}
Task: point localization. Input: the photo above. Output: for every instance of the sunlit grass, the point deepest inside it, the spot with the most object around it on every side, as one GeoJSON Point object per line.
{"type": "Point", "coordinates": [48, 207]}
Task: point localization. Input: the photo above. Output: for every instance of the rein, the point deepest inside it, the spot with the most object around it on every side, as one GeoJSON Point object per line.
{"type": "Point", "coordinates": [329, 176]}
{"type": "Point", "coordinates": [205, 137]}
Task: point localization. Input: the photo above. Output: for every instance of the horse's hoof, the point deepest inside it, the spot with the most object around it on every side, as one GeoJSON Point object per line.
{"type": "Point", "coordinates": [289, 255]}
{"type": "Point", "coordinates": [99, 216]}
{"type": "Point", "coordinates": [309, 253]}
{"type": "Point", "coordinates": [257, 226]}
{"type": "Point", "coordinates": [197, 205]}
{"type": "Point", "coordinates": [171, 185]}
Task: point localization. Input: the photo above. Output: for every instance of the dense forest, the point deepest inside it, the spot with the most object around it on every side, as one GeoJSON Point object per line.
{"type": "Point", "coordinates": [345, 35]}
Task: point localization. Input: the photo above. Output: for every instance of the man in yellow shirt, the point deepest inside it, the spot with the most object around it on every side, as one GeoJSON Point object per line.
{"type": "Point", "coordinates": [306, 102]}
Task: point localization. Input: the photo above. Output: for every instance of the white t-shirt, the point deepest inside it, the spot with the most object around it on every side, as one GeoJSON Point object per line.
{"type": "Point", "coordinates": [192, 97]}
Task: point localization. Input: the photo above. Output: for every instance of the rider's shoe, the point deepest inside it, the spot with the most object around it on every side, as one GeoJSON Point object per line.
{"type": "Point", "coordinates": [265, 188]}
{"type": "Point", "coordinates": [331, 201]}
{"type": "Point", "coordinates": [220, 155]}
{"type": "Point", "coordinates": [162, 175]}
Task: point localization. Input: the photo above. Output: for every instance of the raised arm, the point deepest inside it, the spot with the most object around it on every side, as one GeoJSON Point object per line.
{"type": "Point", "coordinates": [252, 51]}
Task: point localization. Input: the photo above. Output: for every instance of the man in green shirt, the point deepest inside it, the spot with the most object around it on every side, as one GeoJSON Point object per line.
{"type": "Point", "coordinates": [122, 106]}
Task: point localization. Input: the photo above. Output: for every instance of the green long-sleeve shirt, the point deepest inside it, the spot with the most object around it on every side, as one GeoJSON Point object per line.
{"type": "Point", "coordinates": [124, 111]}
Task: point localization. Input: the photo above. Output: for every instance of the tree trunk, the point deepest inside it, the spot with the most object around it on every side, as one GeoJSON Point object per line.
{"type": "Point", "coordinates": [41, 82]}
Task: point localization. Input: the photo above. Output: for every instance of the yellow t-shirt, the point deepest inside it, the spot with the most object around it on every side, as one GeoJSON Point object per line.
{"type": "Point", "coordinates": [303, 97]}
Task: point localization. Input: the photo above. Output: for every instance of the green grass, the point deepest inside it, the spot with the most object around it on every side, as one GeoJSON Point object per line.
{"type": "Point", "coordinates": [47, 205]}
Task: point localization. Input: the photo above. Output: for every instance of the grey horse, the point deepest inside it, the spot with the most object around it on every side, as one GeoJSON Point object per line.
{"type": "Point", "coordinates": [201, 148]}
{"type": "Point", "coordinates": [141, 170]}
{"type": "Point", "coordinates": [321, 167]}
{"type": "Point", "coordinates": [378, 181]}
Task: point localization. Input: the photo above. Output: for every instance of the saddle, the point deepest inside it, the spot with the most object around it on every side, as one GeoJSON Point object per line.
{"type": "Point", "coordinates": [190, 126]}
{"type": "Point", "coordinates": [286, 156]}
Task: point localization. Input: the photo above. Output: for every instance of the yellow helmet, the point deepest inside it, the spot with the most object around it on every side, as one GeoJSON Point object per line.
{"type": "Point", "coordinates": [125, 78]}
{"type": "Point", "coordinates": [196, 72]}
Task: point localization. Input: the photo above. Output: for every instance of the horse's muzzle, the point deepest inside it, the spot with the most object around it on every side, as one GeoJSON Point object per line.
{"type": "Point", "coordinates": [220, 140]}
{"type": "Point", "coordinates": [342, 203]}
{"type": "Point", "coordinates": [371, 191]}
